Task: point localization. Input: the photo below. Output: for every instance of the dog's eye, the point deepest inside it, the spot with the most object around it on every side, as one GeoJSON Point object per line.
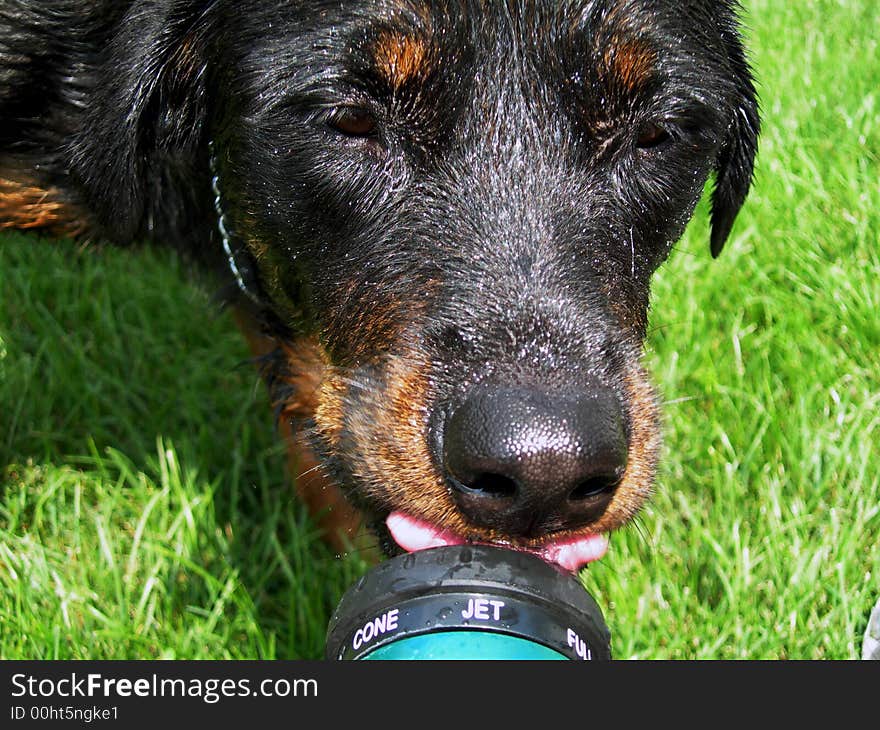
{"type": "Point", "coordinates": [651, 135]}
{"type": "Point", "coordinates": [352, 121]}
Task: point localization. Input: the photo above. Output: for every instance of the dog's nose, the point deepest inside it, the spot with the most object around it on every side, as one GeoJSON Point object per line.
{"type": "Point", "coordinates": [528, 462]}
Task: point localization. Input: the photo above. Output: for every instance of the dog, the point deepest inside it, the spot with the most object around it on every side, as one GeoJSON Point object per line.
{"type": "Point", "coordinates": [436, 223]}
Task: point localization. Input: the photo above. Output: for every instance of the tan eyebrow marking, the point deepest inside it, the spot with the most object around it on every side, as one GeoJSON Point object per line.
{"type": "Point", "coordinates": [400, 58]}
{"type": "Point", "coordinates": [632, 62]}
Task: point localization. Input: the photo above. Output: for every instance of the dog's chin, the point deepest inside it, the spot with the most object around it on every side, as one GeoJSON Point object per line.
{"type": "Point", "coordinates": [570, 553]}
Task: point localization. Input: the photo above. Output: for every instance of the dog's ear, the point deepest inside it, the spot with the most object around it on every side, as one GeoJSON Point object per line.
{"type": "Point", "coordinates": [145, 119]}
{"type": "Point", "coordinates": [735, 162]}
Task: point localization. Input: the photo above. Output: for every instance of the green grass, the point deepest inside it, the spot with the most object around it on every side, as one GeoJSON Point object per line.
{"type": "Point", "coordinates": [763, 538]}
{"type": "Point", "coordinates": [144, 510]}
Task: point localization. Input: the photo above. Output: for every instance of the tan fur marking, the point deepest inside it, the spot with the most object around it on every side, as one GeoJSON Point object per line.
{"type": "Point", "coordinates": [400, 58]}
{"type": "Point", "coordinates": [339, 521]}
{"type": "Point", "coordinates": [330, 413]}
{"type": "Point", "coordinates": [404, 453]}
{"type": "Point", "coordinates": [306, 362]}
{"type": "Point", "coordinates": [389, 451]}
{"type": "Point", "coordinates": [644, 451]}
{"type": "Point", "coordinates": [631, 62]}
{"type": "Point", "coordinates": [25, 206]}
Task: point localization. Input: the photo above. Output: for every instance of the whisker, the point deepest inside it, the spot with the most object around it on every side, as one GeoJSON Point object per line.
{"type": "Point", "coordinates": [316, 468]}
{"type": "Point", "coordinates": [683, 399]}
{"type": "Point", "coordinates": [641, 529]}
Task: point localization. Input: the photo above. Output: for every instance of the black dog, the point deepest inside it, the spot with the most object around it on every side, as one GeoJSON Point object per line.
{"type": "Point", "coordinates": [438, 221]}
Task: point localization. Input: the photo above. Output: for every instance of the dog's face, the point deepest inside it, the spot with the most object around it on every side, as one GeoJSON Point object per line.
{"type": "Point", "coordinates": [462, 207]}
{"type": "Point", "coordinates": [453, 212]}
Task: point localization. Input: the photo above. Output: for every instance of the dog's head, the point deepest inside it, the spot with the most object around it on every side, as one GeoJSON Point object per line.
{"type": "Point", "coordinates": [452, 212]}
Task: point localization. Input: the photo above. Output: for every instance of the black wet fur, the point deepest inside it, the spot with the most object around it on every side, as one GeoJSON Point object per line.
{"type": "Point", "coordinates": [504, 213]}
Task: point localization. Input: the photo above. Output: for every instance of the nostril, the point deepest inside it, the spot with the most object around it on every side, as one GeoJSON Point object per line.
{"type": "Point", "coordinates": [594, 487]}
{"type": "Point", "coordinates": [493, 485]}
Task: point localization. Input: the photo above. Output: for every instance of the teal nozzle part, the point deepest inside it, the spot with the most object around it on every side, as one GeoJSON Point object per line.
{"type": "Point", "coordinates": [464, 645]}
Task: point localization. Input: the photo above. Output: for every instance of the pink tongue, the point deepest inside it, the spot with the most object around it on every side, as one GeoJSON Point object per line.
{"type": "Point", "coordinates": [413, 534]}
{"type": "Point", "coordinates": [571, 553]}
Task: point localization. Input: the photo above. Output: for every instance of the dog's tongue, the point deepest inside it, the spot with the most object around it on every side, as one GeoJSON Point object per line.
{"type": "Point", "coordinates": [571, 553]}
